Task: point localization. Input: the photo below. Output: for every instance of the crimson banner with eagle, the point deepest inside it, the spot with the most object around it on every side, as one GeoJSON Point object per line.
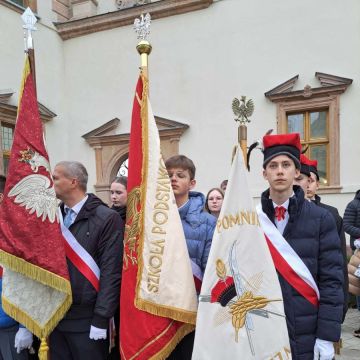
{"type": "Point", "coordinates": [36, 287]}
{"type": "Point", "coordinates": [158, 298]}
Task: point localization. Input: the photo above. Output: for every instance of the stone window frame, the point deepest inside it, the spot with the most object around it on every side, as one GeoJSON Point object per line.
{"type": "Point", "coordinates": [313, 99]}
{"type": "Point", "coordinates": [19, 8]}
{"type": "Point", "coordinates": [307, 141]}
{"type": "Point", "coordinates": [112, 148]}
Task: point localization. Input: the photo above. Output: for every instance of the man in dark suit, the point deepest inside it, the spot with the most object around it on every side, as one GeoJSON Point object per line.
{"type": "Point", "coordinates": [98, 233]}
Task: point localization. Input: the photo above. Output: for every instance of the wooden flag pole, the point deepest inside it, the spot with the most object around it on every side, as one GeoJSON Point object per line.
{"type": "Point", "coordinates": [242, 109]}
{"type": "Point", "coordinates": [242, 139]}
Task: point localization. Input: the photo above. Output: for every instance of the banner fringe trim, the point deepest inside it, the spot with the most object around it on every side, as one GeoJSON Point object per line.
{"type": "Point", "coordinates": [32, 325]}
{"type": "Point", "coordinates": [167, 311]}
{"type": "Point", "coordinates": [35, 272]}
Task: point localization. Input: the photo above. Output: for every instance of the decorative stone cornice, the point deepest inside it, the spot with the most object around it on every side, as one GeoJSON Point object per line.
{"type": "Point", "coordinates": [284, 87]}
{"type": "Point", "coordinates": [168, 129]}
{"type": "Point", "coordinates": [105, 129]}
{"type": "Point", "coordinates": [74, 28]}
{"type": "Point", "coordinates": [5, 95]}
{"type": "Point", "coordinates": [331, 85]}
{"type": "Point", "coordinates": [328, 80]}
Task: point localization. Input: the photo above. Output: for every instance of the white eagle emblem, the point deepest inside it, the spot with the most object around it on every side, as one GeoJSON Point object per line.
{"type": "Point", "coordinates": [35, 192]}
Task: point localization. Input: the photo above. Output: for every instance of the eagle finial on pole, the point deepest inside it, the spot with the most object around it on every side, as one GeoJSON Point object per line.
{"type": "Point", "coordinates": [29, 20]}
{"type": "Point", "coordinates": [243, 109]}
{"type": "Point", "coordinates": [142, 28]}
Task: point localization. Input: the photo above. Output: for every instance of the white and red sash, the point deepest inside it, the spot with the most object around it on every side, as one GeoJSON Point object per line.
{"type": "Point", "coordinates": [84, 262]}
{"type": "Point", "coordinates": [79, 257]}
{"type": "Point", "coordinates": [287, 262]}
{"type": "Point", "coordinates": [198, 275]}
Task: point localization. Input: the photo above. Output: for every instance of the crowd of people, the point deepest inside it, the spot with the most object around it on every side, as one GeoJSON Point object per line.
{"type": "Point", "coordinates": [314, 230]}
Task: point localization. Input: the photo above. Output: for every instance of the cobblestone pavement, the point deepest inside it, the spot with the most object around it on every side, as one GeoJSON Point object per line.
{"type": "Point", "coordinates": [351, 344]}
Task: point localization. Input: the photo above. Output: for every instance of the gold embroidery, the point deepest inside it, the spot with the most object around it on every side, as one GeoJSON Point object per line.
{"type": "Point", "coordinates": [220, 269]}
{"type": "Point", "coordinates": [246, 301]}
{"type": "Point", "coordinates": [242, 306]}
{"type": "Point", "coordinates": [132, 228]}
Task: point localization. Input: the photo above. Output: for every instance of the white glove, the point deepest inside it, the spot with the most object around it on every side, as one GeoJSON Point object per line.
{"type": "Point", "coordinates": [96, 333]}
{"type": "Point", "coordinates": [357, 243]}
{"type": "Point", "coordinates": [323, 350]}
{"type": "Point", "coordinates": [23, 339]}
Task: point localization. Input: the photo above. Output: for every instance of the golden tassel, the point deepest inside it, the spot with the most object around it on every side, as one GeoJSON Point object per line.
{"type": "Point", "coordinates": [43, 350]}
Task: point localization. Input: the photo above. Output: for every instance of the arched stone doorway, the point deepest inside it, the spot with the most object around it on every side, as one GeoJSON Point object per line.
{"type": "Point", "coordinates": [112, 149]}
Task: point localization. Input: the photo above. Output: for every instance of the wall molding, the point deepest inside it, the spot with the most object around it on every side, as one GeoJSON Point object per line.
{"type": "Point", "coordinates": [75, 28]}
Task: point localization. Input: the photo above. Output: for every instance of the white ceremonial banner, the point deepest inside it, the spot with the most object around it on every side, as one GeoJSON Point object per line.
{"type": "Point", "coordinates": [166, 285]}
{"type": "Point", "coordinates": [241, 313]}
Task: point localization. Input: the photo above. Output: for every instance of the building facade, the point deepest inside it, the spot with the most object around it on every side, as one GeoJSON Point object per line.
{"type": "Point", "coordinates": [298, 61]}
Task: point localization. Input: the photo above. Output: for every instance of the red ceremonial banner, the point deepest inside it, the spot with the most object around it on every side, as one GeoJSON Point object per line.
{"type": "Point", "coordinates": [32, 246]}
{"type": "Point", "coordinates": [142, 335]}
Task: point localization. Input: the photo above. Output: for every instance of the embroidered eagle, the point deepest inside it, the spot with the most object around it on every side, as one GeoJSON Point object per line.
{"type": "Point", "coordinates": [36, 194]}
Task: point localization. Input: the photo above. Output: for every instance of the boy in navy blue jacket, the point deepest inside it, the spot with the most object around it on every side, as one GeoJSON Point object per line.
{"type": "Point", "coordinates": [312, 283]}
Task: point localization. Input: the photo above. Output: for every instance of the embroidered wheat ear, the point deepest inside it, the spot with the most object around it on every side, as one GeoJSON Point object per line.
{"type": "Point", "coordinates": [242, 306]}
{"type": "Point", "coordinates": [220, 269]}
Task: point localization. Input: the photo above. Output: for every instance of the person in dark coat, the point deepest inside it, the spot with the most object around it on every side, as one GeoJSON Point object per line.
{"type": "Point", "coordinates": [118, 197]}
{"type": "Point", "coordinates": [303, 179]}
{"type": "Point", "coordinates": [352, 227]}
{"type": "Point", "coordinates": [83, 333]}
{"type": "Point", "coordinates": [198, 228]}
{"type": "Point", "coordinates": [313, 187]}
{"type": "Point", "coordinates": [311, 233]}
{"type": "Point", "coordinates": [352, 219]}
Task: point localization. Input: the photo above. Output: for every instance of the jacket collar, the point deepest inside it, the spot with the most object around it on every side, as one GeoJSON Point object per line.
{"type": "Point", "coordinates": [88, 208]}
{"type": "Point", "coordinates": [295, 203]}
{"type": "Point", "coordinates": [317, 199]}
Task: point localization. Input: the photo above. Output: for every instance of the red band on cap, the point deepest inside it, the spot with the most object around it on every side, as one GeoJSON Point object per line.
{"type": "Point", "coordinates": [292, 139]}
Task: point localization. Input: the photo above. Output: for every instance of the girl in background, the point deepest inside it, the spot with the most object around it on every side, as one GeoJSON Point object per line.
{"type": "Point", "coordinates": [214, 200]}
{"type": "Point", "coordinates": [118, 195]}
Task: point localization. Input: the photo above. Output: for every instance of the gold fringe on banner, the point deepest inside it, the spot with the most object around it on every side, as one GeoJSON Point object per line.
{"type": "Point", "coordinates": [35, 272]}
{"type": "Point", "coordinates": [167, 311]}
{"type": "Point", "coordinates": [33, 326]}
{"type": "Point", "coordinates": [47, 279]}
